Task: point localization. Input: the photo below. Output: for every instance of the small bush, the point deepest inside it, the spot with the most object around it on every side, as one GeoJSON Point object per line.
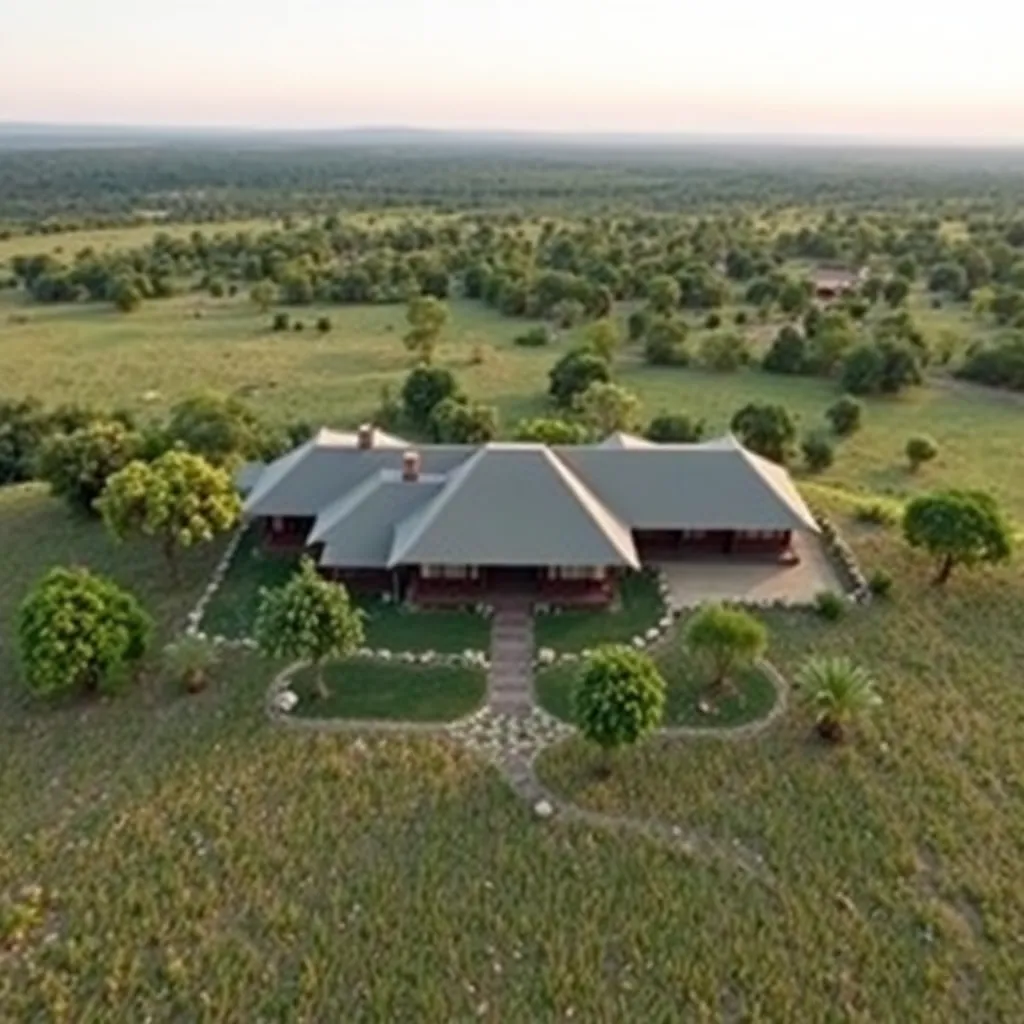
{"type": "Point", "coordinates": [324, 325]}
{"type": "Point", "coordinates": [880, 583]}
{"type": "Point", "coordinates": [713, 321]}
{"type": "Point", "coordinates": [298, 326]}
{"type": "Point", "coordinates": [845, 415]}
{"type": "Point", "coordinates": [875, 514]}
{"type": "Point", "coordinates": [281, 322]}
{"type": "Point", "coordinates": [829, 605]}
{"type": "Point", "coordinates": [741, 318]}
{"type": "Point", "coordinates": [919, 450]}
{"type": "Point", "coordinates": [535, 337]}
{"type": "Point", "coordinates": [477, 354]}
{"type": "Point", "coordinates": [188, 662]}
{"type": "Point", "coordinates": [818, 452]}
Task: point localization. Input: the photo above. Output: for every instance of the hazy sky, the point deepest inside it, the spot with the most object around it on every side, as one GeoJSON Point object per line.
{"type": "Point", "coordinates": [898, 69]}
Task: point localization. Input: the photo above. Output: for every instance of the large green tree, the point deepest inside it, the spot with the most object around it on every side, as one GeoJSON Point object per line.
{"type": "Point", "coordinates": [79, 632]}
{"type": "Point", "coordinates": [767, 429]}
{"type": "Point", "coordinates": [221, 429]}
{"type": "Point", "coordinates": [308, 619]}
{"type": "Point", "coordinates": [424, 389]}
{"type": "Point", "coordinates": [607, 408]}
{"type": "Point", "coordinates": [619, 698]}
{"type": "Point", "coordinates": [179, 499]}
{"type": "Point", "coordinates": [958, 528]}
{"type": "Point", "coordinates": [574, 373]}
{"type": "Point", "coordinates": [427, 317]}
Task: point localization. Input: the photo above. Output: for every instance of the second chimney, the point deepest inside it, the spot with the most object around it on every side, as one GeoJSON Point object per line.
{"type": "Point", "coordinates": [364, 437]}
{"type": "Point", "coordinates": [411, 466]}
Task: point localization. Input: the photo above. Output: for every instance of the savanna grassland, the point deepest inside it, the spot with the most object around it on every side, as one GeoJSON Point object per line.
{"type": "Point", "coordinates": [167, 857]}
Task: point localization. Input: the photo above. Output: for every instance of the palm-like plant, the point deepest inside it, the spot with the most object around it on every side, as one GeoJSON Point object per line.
{"type": "Point", "coordinates": [840, 691]}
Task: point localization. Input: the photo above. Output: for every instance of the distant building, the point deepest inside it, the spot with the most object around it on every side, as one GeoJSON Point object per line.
{"type": "Point", "coordinates": [832, 281]}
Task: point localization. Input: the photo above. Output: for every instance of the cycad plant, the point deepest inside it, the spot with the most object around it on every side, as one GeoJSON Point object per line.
{"type": "Point", "coordinates": [840, 692]}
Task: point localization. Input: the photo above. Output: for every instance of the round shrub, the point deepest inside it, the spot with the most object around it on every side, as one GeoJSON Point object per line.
{"type": "Point", "coordinates": [79, 632]}
{"type": "Point", "coordinates": [845, 415]}
{"type": "Point", "coordinates": [713, 321]}
{"type": "Point", "coordinates": [281, 322]}
{"type": "Point", "coordinates": [829, 605]}
{"type": "Point", "coordinates": [818, 452]}
{"type": "Point", "coordinates": [535, 337]}
{"type": "Point", "coordinates": [880, 583]}
{"type": "Point", "coordinates": [919, 450]}
{"type": "Point", "coordinates": [620, 697]}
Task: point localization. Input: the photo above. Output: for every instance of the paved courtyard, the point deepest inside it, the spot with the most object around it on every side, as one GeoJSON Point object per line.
{"type": "Point", "coordinates": [694, 582]}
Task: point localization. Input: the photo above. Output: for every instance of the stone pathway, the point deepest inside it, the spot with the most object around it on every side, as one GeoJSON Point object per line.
{"type": "Point", "coordinates": [510, 679]}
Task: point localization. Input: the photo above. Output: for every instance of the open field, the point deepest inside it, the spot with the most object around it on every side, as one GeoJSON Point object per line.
{"type": "Point", "coordinates": [98, 356]}
{"type": "Point", "coordinates": [404, 881]}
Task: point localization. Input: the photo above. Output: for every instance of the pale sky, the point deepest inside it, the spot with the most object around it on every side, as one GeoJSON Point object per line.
{"type": "Point", "coordinates": [903, 70]}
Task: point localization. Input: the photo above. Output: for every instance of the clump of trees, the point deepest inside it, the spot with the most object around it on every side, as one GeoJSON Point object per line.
{"type": "Point", "coordinates": [80, 633]}
{"type": "Point", "coordinates": [607, 408]}
{"type": "Point", "coordinates": [1000, 364]}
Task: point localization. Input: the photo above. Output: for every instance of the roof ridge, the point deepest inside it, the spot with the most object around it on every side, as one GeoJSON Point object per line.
{"type": "Point", "coordinates": [594, 507]}
{"type": "Point", "coordinates": [765, 469]}
{"type": "Point", "coordinates": [344, 505]}
{"type": "Point", "coordinates": [456, 478]}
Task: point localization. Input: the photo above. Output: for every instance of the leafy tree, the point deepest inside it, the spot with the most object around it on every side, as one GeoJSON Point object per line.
{"type": "Point", "coordinates": [1000, 364]}
{"type": "Point", "coordinates": [906, 268]}
{"type": "Point", "coordinates": [958, 528]}
{"type": "Point", "coordinates": [262, 294]}
{"type": "Point", "coordinates": [948, 277]}
{"type": "Point", "coordinates": [23, 427]}
{"type": "Point", "coordinates": [675, 428]}
{"type": "Point", "coordinates": [663, 294]}
{"type": "Point", "coordinates": [767, 429]}
{"type": "Point", "coordinates": [818, 452]}
{"type": "Point", "coordinates": [603, 337]}
{"type": "Point", "coordinates": [551, 431]}
{"type": "Point", "coordinates": [665, 344]}
{"type": "Point", "coordinates": [839, 691]}
{"type": "Point", "coordinates": [308, 619]}
{"type": "Point", "coordinates": [788, 353]}
{"type": "Point", "coordinates": [883, 367]}
{"type": "Point", "coordinates": [180, 499]}
{"type": "Point", "coordinates": [608, 407]}
{"type": "Point", "coordinates": [79, 632]}
{"type": "Point", "coordinates": [834, 335]}
{"type": "Point", "coordinates": [896, 291]}
{"type": "Point", "coordinates": [845, 415]}
{"type": "Point", "coordinates": [426, 316]}
{"type": "Point", "coordinates": [78, 465]}
{"type": "Point", "coordinates": [727, 638]}
{"type": "Point", "coordinates": [794, 297]}
{"type": "Point", "coordinates": [919, 450]}
{"type": "Point", "coordinates": [535, 337]}
{"type": "Point", "coordinates": [453, 421]}
{"type": "Point", "coordinates": [619, 698]}
{"type": "Point", "coordinates": [574, 373]}
{"type": "Point", "coordinates": [725, 351]}
{"type": "Point", "coordinates": [424, 389]}
{"type": "Point", "coordinates": [324, 325]}
{"type": "Point", "coordinates": [220, 429]}
{"type": "Point", "coordinates": [281, 322]}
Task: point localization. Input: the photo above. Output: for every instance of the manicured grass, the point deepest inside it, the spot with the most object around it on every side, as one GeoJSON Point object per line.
{"type": "Point", "coordinates": [639, 609]}
{"type": "Point", "coordinates": [232, 612]}
{"type": "Point", "coordinates": [360, 688]}
{"type": "Point", "coordinates": [751, 697]}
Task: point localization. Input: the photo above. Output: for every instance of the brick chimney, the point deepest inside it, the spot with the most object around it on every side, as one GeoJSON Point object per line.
{"type": "Point", "coordinates": [364, 437]}
{"type": "Point", "coordinates": [411, 466]}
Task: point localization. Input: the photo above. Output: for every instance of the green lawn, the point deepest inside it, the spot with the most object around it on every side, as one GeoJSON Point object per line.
{"type": "Point", "coordinates": [360, 688]}
{"type": "Point", "coordinates": [640, 608]}
{"type": "Point", "coordinates": [751, 698]}
{"type": "Point", "coordinates": [232, 612]}
{"type": "Point", "coordinates": [147, 360]}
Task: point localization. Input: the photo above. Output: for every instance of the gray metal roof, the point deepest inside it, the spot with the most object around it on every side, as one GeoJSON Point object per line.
{"type": "Point", "coordinates": [620, 439]}
{"type": "Point", "coordinates": [513, 504]}
{"type": "Point", "coordinates": [305, 481]}
{"type": "Point", "coordinates": [358, 530]}
{"type": "Point", "coordinates": [713, 485]}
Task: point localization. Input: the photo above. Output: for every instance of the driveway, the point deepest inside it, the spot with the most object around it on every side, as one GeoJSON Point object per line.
{"type": "Point", "coordinates": [692, 583]}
